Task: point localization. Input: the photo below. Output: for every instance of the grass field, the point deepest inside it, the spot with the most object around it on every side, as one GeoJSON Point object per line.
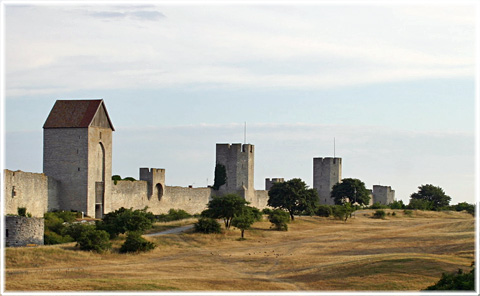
{"type": "Point", "coordinates": [316, 254]}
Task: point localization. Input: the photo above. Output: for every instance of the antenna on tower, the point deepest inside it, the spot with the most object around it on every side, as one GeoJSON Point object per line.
{"type": "Point", "coordinates": [245, 134]}
{"type": "Point", "coordinates": [333, 147]}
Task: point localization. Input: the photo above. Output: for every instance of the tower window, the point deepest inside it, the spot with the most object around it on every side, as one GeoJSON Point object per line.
{"type": "Point", "coordinates": [79, 169]}
{"type": "Point", "coordinates": [100, 135]}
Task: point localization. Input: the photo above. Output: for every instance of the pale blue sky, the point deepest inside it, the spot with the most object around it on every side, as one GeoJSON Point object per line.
{"type": "Point", "coordinates": [394, 84]}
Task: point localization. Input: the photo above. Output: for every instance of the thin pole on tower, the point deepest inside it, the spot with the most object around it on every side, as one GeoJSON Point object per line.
{"type": "Point", "coordinates": [245, 134]}
{"type": "Point", "coordinates": [333, 147]}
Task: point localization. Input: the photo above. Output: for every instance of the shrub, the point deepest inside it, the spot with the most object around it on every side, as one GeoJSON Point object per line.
{"type": "Point", "coordinates": [267, 211]}
{"type": "Point", "coordinates": [94, 240]}
{"type": "Point", "coordinates": [408, 212]}
{"type": "Point", "coordinates": [279, 219]}
{"type": "Point", "coordinates": [463, 206]}
{"type": "Point", "coordinates": [66, 216]}
{"type": "Point", "coordinates": [394, 214]}
{"type": "Point", "coordinates": [421, 204]}
{"type": "Point", "coordinates": [22, 212]}
{"type": "Point", "coordinates": [257, 214]}
{"type": "Point", "coordinates": [379, 214]}
{"type": "Point", "coordinates": [378, 205]}
{"type": "Point", "coordinates": [207, 225]}
{"type": "Point", "coordinates": [173, 215]}
{"type": "Point", "coordinates": [455, 281]}
{"type": "Point", "coordinates": [136, 243]}
{"type": "Point", "coordinates": [324, 211]}
{"type": "Point", "coordinates": [53, 238]}
{"type": "Point", "coordinates": [397, 205]}
{"type": "Point", "coordinates": [75, 230]}
{"type": "Point", "coordinates": [123, 220]}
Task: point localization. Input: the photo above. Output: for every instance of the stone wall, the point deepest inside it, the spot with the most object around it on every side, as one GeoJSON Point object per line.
{"type": "Point", "coordinates": [21, 231]}
{"type": "Point", "coordinates": [33, 191]}
{"type": "Point", "coordinates": [269, 182]}
{"type": "Point", "coordinates": [134, 194]}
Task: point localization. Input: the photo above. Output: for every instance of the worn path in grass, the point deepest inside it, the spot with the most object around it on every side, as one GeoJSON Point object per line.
{"type": "Point", "coordinates": [316, 254]}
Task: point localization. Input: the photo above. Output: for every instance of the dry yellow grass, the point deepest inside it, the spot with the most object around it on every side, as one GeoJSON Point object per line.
{"type": "Point", "coordinates": [316, 254]}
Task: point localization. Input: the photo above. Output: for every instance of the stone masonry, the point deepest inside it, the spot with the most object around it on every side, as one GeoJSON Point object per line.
{"type": "Point", "coordinates": [326, 173]}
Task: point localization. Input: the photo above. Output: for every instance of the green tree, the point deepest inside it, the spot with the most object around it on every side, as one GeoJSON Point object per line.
{"type": "Point", "coordinates": [225, 207]}
{"type": "Point", "coordinates": [95, 240]}
{"type": "Point", "coordinates": [136, 243]}
{"type": "Point", "coordinates": [433, 194]}
{"type": "Point", "coordinates": [353, 189]}
{"type": "Point", "coordinates": [220, 176]}
{"type": "Point", "coordinates": [293, 196]}
{"type": "Point", "coordinates": [324, 211]}
{"type": "Point", "coordinates": [244, 219]}
{"type": "Point", "coordinates": [464, 206]}
{"type": "Point", "coordinates": [397, 205]}
{"type": "Point", "coordinates": [123, 220]}
{"type": "Point", "coordinates": [75, 230]}
{"type": "Point", "coordinates": [458, 281]}
{"type": "Point", "coordinates": [343, 212]}
{"type": "Point", "coordinates": [207, 225]}
{"type": "Point", "coordinates": [279, 218]}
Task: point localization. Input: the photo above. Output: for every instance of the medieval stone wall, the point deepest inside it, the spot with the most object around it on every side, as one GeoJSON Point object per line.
{"type": "Point", "coordinates": [134, 194]}
{"type": "Point", "coordinates": [21, 231]}
{"type": "Point", "coordinates": [35, 192]}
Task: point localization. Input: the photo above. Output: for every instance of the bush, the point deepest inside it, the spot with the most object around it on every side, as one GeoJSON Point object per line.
{"type": "Point", "coordinates": [455, 281]}
{"type": "Point", "coordinates": [123, 220]}
{"type": "Point", "coordinates": [379, 214]}
{"type": "Point", "coordinates": [95, 240]}
{"type": "Point", "coordinates": [257, 214]}
{"type": "Point", "coordinates": [421, 204]}
{"type": "Point", "coordinates": [173, 215]}
{"type": "Point", "coordinates": [378, 205]}
{"type": "Point", "coordinates": [397, 205]}
{"type": "Point", "coordinates": [53, 238]}
{"type": "Point", "coordinates": [279, 219]}
{"type": "Point", "coordinates": [267, 211]}
{"type": "Point", "coordinates": [75, 230]}
{"type": "Point", "coordinates": [324, 211]}
{"type": "Point", "coordinates": [463, 206]}
{"type": "Point", "coordinates": [408, 212]}
{"type": "Point", "coordinates": [136, 243]}
{"type": "Point", "coordinates": [207, 225]}
{"type": "Point", "coordinates": [66, 216]}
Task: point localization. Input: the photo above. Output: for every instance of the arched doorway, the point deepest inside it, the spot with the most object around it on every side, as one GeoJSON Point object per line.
{"type": "Point", "coordinates": [159, 188]}
{"type": "Point", "coordinates": [100, 182]}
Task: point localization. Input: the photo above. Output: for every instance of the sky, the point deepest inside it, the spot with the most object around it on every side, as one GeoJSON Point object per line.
{"type": "Point", "coordinates": [393, 85]}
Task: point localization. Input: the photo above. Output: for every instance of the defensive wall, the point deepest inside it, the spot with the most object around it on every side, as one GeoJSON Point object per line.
{"type": "Point", "coordinates": [21, 231]}
{"type": "Point", "coordinates": [33, 191]}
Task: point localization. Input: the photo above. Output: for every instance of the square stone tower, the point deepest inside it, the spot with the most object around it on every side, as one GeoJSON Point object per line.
{"type": "Point", "coordinates": [77, 151]}
{"type": "Point", "coordinates": [238, 160]}
{"type": "Point", "coordinates": [326, 173]}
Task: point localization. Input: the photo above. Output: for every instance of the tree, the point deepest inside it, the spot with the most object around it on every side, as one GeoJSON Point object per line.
{"type": "Point", "coordinates": [220, 176]}
{"type": "Point", "coordinates": [343, 212]}
{"type": "Point", "coordinates": [433, 194]}
{"type": "Point", "coordinates": [397, 205]}
{"type": "Point", "coordinates": [293, 196]}
{"type": "Point", "coordinates": [123, 220]}
{"type": "Point", "coordinates": [353, 189]}
{"type": "Point", "coordinates": [207, 225]}
{"type": "Point", "coordinates": [455, 281]}
{"type": "Point", "coordinates": [136, 243]}
{"type": "Point", "coordinates": [244, 219]}
{"type": "Point", "coordinates": [225, 207]}
{"type": "Point", "coordinates": [279, 218]}
{"type": "Point", "coordinates": [94, 240]}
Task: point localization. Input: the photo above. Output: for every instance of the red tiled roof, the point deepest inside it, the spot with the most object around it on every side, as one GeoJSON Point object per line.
{"type": "Point", "coordinates": [74, 114]}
